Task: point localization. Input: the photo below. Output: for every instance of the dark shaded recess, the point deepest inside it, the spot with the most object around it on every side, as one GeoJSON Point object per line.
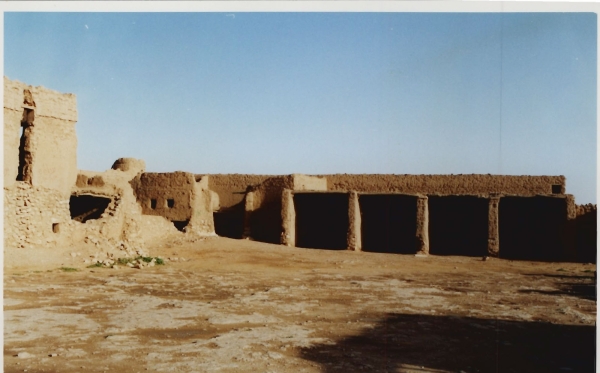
{"type": "Point", "coordinates": [458, 225]}
{"type": "Point", "coordinates": [454, 344]}
{"type": "Point", "coordinates": [181, 224]}
{"type": "Point", "coordinates": [532, 228]}
{"type": "Point", "coordinates": [86, 207]}
{"type": "Point", "coordinates": [23, 155]}
{"type": "Point", "coordinates": [389, 223]}
{"type": "Point", "coordinates": [587, 236]}
{"type": "Point", "coordinates": [265, 223]}
{"type": "Point", "coordinates": [230, 222]}
{"type": "Point", "coordinates": [322, 220]}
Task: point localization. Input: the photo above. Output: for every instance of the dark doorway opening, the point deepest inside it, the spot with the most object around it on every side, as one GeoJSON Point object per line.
{"type": "Point", "coordinates": [458, 225]}
{"type": "Point", "coordinates": [85, 207]}
{"type": "Point", "coordinates": [587, 236]}
{"type": "Point", "coordinates": [321, 220]}
{"type": "Point", "coordinates": [229, 222]}
{"type": "Point", "coordinates": [389, 223]}
{"type": "Point", "coordinates": [180, 225]}
{"type": "Point", "coordinates": [265, 223]}
{"type": "Point", "coordinates": [532, 228]}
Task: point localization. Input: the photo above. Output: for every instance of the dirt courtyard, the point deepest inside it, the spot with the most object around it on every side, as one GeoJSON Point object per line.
{"type": "Point", "coordinates": [223, 305]}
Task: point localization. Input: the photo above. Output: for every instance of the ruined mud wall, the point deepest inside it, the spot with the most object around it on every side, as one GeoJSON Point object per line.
{"type": "Point", "coordinates": [40, 149]}
{"type": "Point", "coordinates": [51, 138]}
{"type": "Point", "coordinates": [204, 203]}
{"type": "Point", "coordinates": [119, 224]}
{"type": "Point", "coordinates": [35, 217]}
{"type": "Point", "coordinates": [448, 184]}
{"type": "Point", "coordinates": [166, 194]}
{"type": "Point", "coordinates": [263, 207]}
{"type": "Point", "coordinates": [181, 197]}
{"type": "Point", "coordinates": [231, 188]}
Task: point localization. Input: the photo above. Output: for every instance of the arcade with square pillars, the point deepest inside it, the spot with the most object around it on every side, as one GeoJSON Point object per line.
{"type": "Point", "coordinates": [521, 228]}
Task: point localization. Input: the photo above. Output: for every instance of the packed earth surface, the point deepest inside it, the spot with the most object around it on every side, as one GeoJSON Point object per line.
{"type": "Point", "coordinates": [224, 305]}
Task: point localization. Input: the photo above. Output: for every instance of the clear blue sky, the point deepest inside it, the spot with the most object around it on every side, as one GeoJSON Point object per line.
{"type": "Point", "coordinates": [281, 93]}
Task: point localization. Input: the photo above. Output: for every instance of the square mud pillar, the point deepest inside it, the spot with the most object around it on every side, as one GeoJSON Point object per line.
{"type": "Point", "coordinates": [422, 225]}
{"type": "Point", "coordinates": [248, 209]}
{"type": "Point", "coordinates": [288, 219]}
{"type": "Point", "coordinates": [354, 226]}
{"type": "Point", "coordinates": [493, 230]}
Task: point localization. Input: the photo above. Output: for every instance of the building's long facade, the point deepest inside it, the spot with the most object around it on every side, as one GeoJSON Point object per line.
{"type": "Point", "coordinates": [49, 202]}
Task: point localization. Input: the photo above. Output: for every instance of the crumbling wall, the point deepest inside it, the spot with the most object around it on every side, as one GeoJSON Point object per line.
{"type": "Point", "coordinates": [232, 188]}
{"type": "Point", "coordinates": [119, 225]}
{"type": "Point", "coordinates": [183, 198]}
{"type": "Point", "coordinates": [166, 194]}
{"type": "Point", "coordinates": [48, 118]}
{"type": "Point", "coordinates": [482, 185]}
{"type": "Point", "coordinates": [35, 217]}
{"type": "Point", "coordinates": [263, 209]}
{"type": "Point", "coordinates": [204, 203]}
{"type": "Point", "coordinates": [263, 218]}
{"type": "Point", "coordinates": [40, 148]}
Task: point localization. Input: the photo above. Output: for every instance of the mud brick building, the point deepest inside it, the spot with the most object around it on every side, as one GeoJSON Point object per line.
{"type": "Point", "coordinates": [513, 217]}
{"type": "Point", "coordinates": [49, 202]}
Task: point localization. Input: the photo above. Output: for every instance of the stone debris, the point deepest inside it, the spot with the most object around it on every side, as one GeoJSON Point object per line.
{"type": "Point", "coordinates": [24, 355]}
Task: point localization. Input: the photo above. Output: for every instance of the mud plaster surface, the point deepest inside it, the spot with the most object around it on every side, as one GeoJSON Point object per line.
{"type": "Point", "coordinates": [224, 305]}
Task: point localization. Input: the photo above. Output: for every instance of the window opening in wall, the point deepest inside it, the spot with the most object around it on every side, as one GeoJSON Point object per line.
{"type": "Point", "coordinates": [153, 203]}
{"type": "Point", "coordinates": [556, 189]}
{"type": "Point", "coordinates": [180, 225]}
{"type": "Point", "coordinates": [86, 207]}
{"type": "Point", "coordinates": [170, 203]}
{"type": "Point", "coordinates": [55, 227]}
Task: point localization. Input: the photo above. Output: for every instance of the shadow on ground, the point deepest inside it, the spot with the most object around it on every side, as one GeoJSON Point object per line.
{"type": "Point", "coordinates": [580, 286]}
{"type": "Point", "coordinates": [423, 343]}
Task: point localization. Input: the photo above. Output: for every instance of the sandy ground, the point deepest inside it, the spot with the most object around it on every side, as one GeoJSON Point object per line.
{"type": "Point", "coordinates": [239, 306]}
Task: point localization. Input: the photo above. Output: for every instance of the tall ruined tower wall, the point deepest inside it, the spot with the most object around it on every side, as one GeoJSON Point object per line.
{"type": "Point", "coordinates": [39, 128]}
